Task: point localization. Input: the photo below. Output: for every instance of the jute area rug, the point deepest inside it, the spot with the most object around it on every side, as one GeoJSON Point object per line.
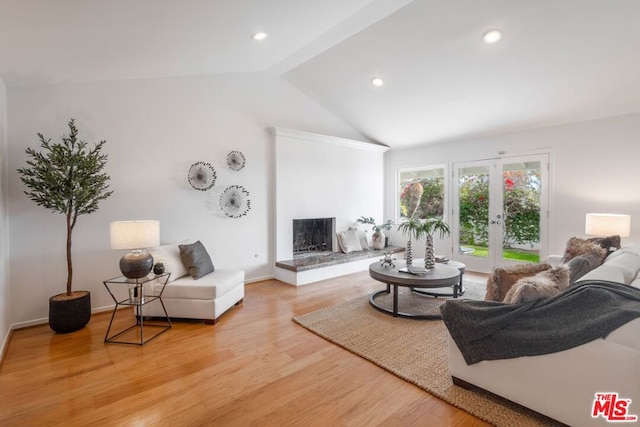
{"type": "Point", "coordinates": [414, 350]}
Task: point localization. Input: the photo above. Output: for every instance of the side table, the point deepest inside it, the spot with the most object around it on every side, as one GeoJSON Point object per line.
{"type": "Point", "coordinates": [136, 298]}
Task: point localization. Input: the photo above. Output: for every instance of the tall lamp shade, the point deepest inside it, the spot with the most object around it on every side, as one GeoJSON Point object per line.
{"type": "Point", "coordinates": [136, 236]}
{"type": "Point", "coordinates": [602, 224]}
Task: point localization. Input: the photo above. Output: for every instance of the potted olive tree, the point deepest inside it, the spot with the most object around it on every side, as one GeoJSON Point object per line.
{"type": "Point", "coordinates": [429, 227]}
{"type": "Point", "coordinates": [67, 178]}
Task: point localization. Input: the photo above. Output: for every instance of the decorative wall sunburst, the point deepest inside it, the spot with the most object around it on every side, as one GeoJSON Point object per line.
{"type": "Point", "coordinates": [236, 160]}
{"type": "Point", "coordinates": [202, 176]}
{"type": "Point", "coordinates": [235, 202]}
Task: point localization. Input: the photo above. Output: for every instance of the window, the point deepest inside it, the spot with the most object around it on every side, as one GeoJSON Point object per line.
{"type": "Point", "coordinates": [421, 192]}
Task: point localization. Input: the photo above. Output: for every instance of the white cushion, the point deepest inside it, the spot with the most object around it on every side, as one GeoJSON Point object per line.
{"type": "Point", "coordinates": [349, 241]}
{"type": "Point", "coordinates": [169, 255]}
{"type": "Point", "coordinates": [208, 287]}
{"type": "Point", "coordinates": [362, 236]}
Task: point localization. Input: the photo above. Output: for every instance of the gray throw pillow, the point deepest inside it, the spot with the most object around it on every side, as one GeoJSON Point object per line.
{"type": "Point", "coordinates": [196, 259]}
{"type": "Point", "coordinates": [581, 265]}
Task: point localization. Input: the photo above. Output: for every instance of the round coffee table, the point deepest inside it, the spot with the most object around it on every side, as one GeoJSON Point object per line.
{"type": "Point", "coordinates": [442, 276]}
{"type": "Point", "coordinates": [456, 291]}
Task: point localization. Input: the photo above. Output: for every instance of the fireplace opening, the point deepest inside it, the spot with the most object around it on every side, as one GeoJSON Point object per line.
{"type": "Point", "coordinates": [313, 235]}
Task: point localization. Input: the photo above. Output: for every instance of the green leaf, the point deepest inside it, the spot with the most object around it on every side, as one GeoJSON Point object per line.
{"type": "Point", "coordinates": [66, 178]}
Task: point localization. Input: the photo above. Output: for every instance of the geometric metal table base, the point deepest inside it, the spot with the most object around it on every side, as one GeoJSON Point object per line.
{"type": "Point", "coordinates": [140, 327]}
{"type": "Point", "coordinates": [136, 301]}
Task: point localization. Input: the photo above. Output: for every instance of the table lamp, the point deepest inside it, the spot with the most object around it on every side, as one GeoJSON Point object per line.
{"type": "Point", "coordinates": [602, 224]}
{"type": "Point", "coordinates": [137, 236]}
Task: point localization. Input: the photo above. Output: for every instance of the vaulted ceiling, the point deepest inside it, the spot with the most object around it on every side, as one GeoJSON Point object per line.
{"type": "Point", "coordinates": [558, 61]}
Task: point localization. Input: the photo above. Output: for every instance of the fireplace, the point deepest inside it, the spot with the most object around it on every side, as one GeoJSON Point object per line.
{"type": "Point", "coordinates": [313, 235]}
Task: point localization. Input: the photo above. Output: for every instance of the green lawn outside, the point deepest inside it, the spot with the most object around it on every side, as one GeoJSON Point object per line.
{"type": "Point", "coordinates": [513, 254]}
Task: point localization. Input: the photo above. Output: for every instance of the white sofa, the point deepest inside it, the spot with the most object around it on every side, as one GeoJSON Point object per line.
{"type": "Point", "coordinates": [206, 298]}
{"type": "Point", "coordinates": [563, 385]}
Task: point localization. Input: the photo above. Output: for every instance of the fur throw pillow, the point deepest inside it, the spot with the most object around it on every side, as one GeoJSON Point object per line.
{"type": "Point", "coordinates": [544, 284]}
{"type": "Point", "coordinates": [577, 246]}
{"type": "Point", "coordinates": [502, 279]}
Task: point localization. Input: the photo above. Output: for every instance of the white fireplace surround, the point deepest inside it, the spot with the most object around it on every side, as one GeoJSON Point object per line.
{"type": "Point", "coordinates": [318, 176]}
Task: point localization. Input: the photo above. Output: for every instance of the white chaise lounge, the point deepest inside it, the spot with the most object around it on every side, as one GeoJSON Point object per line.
{"type": "Point", "coordinates": [189, 296]}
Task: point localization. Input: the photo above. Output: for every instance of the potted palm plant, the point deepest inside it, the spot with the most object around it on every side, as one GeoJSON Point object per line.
{"type": "Point", "coordinates": [429, 227]}
{"type": "Point", "coordinates": [67, 178]}
{"type": "Point", "coordinates": [378, 237]}
{"type": "Point", "coordinates": [417, 228]}
{"type": "Point", "coordinates": [411, 228]}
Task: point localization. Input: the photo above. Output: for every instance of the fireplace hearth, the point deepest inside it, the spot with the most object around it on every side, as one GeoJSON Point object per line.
{"type": "Point", "coordinates": [313, 235]}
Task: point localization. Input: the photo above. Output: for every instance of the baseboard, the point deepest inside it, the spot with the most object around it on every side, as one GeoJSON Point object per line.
{"type": "Point", "coordinates": [259, 279]}
{"type": "Point", "coordinates": [5, 345]}
{"type": "Point", "coordinates": [45, 320]}
{"type": "Point", "coordinates": [28, 323]}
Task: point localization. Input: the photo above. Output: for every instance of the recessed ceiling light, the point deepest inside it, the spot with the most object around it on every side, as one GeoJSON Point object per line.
{"type": "Point", "coordinates": [377, 81]}
{"type": "Point", "coordinates": [492, 36]}
{"type": "Point", "coordinates": [259, 36]}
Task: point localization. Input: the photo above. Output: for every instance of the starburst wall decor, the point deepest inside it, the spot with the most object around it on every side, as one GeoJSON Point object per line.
{"type": "Point", "coordinates": [235, 202]}
{"type": "Point", "coordinates": [236, 160]}
{"type": "Point", "coordinates": [202, 176]}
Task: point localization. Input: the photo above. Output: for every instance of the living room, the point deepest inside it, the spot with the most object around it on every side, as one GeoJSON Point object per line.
{"type": "Point", "coordinates": [157, 123]}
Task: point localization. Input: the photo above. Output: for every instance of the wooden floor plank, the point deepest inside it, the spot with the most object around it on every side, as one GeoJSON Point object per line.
{"type": "Point", "coordinates": [254, 367]}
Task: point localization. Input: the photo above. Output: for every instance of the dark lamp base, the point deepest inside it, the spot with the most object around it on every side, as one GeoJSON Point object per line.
{"type": "Point", "coordinates": [135, 265]}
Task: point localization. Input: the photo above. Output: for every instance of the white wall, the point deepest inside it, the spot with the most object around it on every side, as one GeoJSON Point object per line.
{"type": "Point", "coordinates": [155, 129]}
{"type": "Point", "coordinates": [323, 177]}
{"type": "Point", "coordinates": [5, 294]}
{"type": "Point", "coordinates": [594, 168]}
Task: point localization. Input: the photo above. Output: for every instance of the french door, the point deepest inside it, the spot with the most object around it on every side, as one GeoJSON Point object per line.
{"type": "Point", "coordinates": [500, 211]}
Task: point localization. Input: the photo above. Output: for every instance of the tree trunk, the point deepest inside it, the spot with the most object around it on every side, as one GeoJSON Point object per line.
{"type": "Point", "coordinates": [69, 262]}
{"type": "Point", "coordinates": [429, 255]}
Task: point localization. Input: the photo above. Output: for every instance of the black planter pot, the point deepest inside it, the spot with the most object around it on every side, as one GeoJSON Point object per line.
{"type": "Point", "coordinates": [69, 313]}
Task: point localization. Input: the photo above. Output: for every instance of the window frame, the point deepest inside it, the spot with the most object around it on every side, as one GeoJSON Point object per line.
{"type": "Point", "coordinates": [445, 188]}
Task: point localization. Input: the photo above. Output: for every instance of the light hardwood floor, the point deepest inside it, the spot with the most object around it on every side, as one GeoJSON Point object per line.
{"type": "Point", "coordinates": [254, 367]}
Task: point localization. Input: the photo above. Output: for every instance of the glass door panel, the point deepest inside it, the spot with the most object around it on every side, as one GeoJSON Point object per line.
{"type": "Point", "coordinates": [471, 209]}
{"type": "Point", "coordinates": [500, 211]}
{"type": "Point", "coordinates": [521, 197]}
{"type": "Point", "coordinates": [474, 211]}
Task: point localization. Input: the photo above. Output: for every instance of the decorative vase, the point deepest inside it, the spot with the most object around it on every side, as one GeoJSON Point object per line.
{"type": "Point", "coordinates": [408, 255]}
{"type": "Point", "coordinates": [429, 256]}
{"type": "Point", "coordinates": [158, 268]}
{"type": "Point", "coordinates": [377, 240]}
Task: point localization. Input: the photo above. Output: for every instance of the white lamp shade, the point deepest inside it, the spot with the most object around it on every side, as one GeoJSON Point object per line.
{"type": "Point", "coordinates": [597, 224]}
{"type": "Point", "coordinates": [135, 234]}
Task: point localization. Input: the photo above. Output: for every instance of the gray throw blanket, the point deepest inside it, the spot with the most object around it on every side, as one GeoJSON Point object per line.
{"type": "Point", "coordinates": [487, 330]}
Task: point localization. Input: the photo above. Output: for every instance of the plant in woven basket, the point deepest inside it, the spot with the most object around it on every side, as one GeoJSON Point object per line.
{"type": "Point", "coordinates": [66, 178]}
